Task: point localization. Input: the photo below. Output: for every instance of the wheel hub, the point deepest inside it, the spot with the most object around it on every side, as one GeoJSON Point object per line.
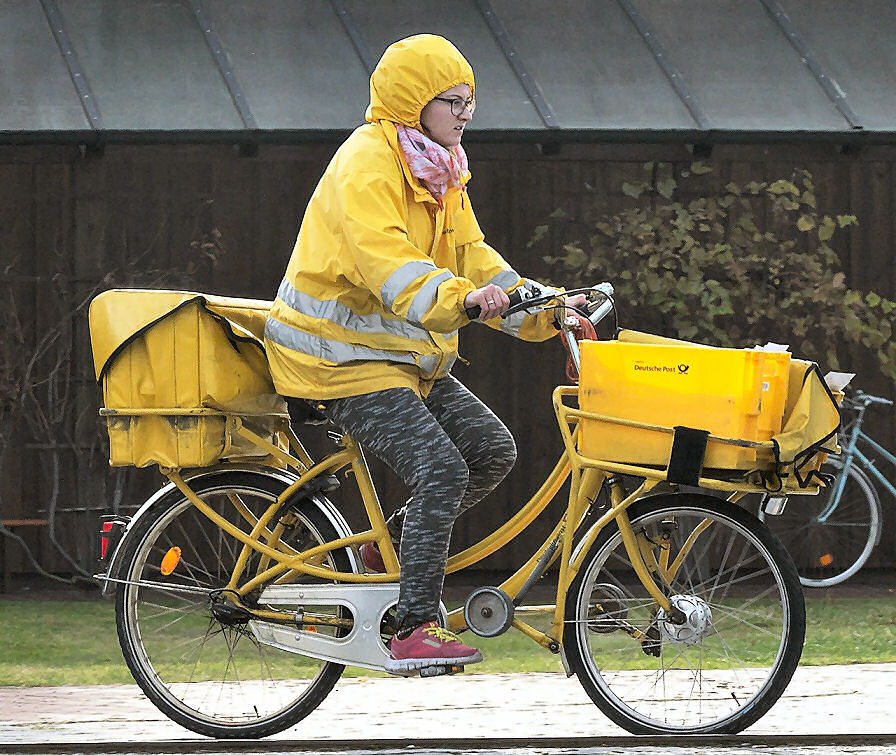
{"type": "Point", "coordinates": [697, 621]}
{"type": "Point", "coordinates": [230, 615]}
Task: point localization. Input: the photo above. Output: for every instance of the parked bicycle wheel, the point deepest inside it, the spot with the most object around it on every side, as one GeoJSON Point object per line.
{"type": "Point", "coordinates": [727, 664]}
{"type": "Point", "coordinates": [829, 552]}
{"type": "Point", "coordinates": [193, 653]}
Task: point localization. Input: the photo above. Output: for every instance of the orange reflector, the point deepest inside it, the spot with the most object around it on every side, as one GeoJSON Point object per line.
{"type": "Point", "coordinates": [310, 628]}
{"type": "Point", "coordinates": [826, 560]}
{"type": "Point", "coordinates": [170, 561]}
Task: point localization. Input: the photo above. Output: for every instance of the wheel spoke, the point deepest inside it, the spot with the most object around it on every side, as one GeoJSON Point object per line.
{"type": "Point", "coordinates": [151, 620]}
{"type": "Point", "coordinates": [196, 654]}
{"type": "Point", "coordinates": [742, 633]}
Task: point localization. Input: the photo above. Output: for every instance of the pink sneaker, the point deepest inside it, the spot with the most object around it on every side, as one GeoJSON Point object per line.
{"type": "Point", "coordinates": [429, 645]}
{"type": "Point", "coordinates": [372, 558]}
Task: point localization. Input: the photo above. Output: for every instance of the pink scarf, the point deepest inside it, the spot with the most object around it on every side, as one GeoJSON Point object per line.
{"type": "Point", "coordinates": [436, 167]}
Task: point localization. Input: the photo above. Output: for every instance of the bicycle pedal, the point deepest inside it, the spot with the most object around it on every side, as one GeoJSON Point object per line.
{"type": "Point", "coordinates": [429, 671]}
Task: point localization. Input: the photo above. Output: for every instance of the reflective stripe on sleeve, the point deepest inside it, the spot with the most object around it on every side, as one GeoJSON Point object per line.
{"type": "Point", "coordinates": [505, 279]}
{"type": "Point", "coordinates": [402, 278]}
{"type": "Point", "coordinates": [511, 325]}
{"type": "Point", "coordinates": [425, 297]}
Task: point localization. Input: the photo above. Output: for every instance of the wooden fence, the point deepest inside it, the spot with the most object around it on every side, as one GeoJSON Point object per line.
{"type": "Point", "coordinates": [74, 222]}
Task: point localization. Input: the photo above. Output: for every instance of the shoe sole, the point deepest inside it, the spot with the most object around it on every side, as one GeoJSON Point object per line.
{"type": "Point", "coordinates": [415, 664]}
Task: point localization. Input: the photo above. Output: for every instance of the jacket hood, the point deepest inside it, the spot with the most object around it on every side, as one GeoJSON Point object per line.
{"type": "Point", "coordinates": [411, 72]}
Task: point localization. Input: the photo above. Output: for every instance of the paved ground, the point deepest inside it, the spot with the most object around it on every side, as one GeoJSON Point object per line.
{"type": "Point", "coordinates": [820, 700]}
{"type": "Point", "coordinates": [832, 700]}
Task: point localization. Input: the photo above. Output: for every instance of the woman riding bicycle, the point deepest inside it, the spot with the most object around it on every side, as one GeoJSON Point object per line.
{"type": "Point", "coordinates": [388, 258]}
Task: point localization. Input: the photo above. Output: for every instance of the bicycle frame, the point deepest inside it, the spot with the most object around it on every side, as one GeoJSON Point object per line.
{"type": "Point", "coordinates": [280, 564]}
{"type": "Point", "coordinates": [284, 563]}
{"type": "Point", "coordinates": [852, 454]}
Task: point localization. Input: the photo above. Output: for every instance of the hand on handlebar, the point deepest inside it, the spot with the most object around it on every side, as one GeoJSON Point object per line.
{"type": "Point", "coordinates": [491, 300]}
{"type": "Point", "coordinates": [579, 300]}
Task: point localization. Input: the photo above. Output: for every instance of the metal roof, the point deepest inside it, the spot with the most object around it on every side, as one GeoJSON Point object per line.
{"type": "Point", "coordinates": [258, 69]}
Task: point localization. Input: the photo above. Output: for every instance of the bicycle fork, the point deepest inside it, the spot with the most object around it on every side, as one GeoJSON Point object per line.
{"type": "Point", "coordinates": [654, 562]}
{"type": "Point", "coordinates": [642, 552]}
{"type": "Point", "coordinates": [649, 565]}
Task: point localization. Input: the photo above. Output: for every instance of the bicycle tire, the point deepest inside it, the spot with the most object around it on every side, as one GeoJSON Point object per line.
{"type": "Point", "coordinates": [830, 552]}
{"type": "Point", "coordinates": [723, 669]}
{"type": "Point", "coordinates": [208, 672]}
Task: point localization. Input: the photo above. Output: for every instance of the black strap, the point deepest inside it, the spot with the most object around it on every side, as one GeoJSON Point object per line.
{"type": "Point", "coordinates": [688, 452]}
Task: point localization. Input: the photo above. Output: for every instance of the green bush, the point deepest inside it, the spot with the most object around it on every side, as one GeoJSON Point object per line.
{"type": "Point", "coordinates": [728, 265]}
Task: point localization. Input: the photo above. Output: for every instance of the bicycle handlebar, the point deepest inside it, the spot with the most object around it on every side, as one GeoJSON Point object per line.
{"type": "Point", "coordinates": [861, 398]}
{"type": "Point", "coordinates": [867, 398]}
{"type": "Point", "coordinates": [600, 298]}
{"type": "Point", "coordinates": [600, 304]}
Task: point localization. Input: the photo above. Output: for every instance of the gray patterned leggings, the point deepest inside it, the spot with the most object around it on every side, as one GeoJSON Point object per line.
{"type": "Point", "coordinates": [451, 451]}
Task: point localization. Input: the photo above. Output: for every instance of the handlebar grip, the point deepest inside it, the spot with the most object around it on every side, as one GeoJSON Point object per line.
{"type": "Point", "coordinates": [515, 298]}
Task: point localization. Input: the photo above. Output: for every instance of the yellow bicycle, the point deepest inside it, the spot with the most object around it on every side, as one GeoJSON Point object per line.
{"type": "Point", "coordinates": [241, 596]}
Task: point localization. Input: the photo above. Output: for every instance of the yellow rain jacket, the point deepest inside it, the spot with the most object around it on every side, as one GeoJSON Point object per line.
{"type": "Point", "coordinates": [373, 295]}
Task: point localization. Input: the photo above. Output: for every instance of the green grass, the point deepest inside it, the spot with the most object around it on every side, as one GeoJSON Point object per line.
{"type": "Point", "coordinates": [74, 643]}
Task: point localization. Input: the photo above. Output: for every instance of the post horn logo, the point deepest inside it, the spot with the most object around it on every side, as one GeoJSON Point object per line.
{"type": "Point", "coordinates": [683, 369]}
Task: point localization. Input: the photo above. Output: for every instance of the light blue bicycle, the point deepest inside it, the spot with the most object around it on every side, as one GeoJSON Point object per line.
{"type": "Point", "coordinates": [831, 535]}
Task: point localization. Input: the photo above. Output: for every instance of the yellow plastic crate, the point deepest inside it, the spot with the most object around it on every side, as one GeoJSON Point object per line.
{"type": "Point", "coordinates": [733, 393]}
{"type": "Point", "coordinates": [170, 353]}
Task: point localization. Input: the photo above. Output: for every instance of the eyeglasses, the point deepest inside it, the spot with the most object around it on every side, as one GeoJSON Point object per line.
{"type": "Point", "coordinates": [458, 105]}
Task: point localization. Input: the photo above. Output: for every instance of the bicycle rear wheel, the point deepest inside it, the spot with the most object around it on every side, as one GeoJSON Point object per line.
{"type": "Point", "coordinates": [193, 653]}
{"type": "Point", "coordinates": [829, 552]}
{"type": "Point", "coordinates": [723, 668]}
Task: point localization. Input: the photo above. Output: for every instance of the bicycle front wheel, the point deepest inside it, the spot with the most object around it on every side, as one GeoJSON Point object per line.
{"type": "Point", "coordinates": [722, 668]}
{"type": "Point", "coordinates": [191, 651]}
{"type": "Point", "coordinates": [830, 551]}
